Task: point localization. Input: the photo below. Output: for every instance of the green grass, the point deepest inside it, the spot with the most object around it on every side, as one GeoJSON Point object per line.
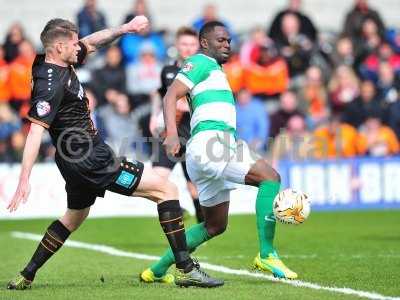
{"type": "Point", "coordinates": [359, 250]}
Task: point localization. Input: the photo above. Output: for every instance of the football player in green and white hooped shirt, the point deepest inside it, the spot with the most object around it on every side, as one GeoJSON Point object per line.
{"type": "Point", "coordinates": [216, 162]}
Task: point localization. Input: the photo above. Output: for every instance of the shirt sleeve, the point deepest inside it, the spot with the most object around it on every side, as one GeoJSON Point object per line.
{"type": "Point", "coordinates": [164, 82]}
{"type": "Point", "coordinates": [45, 103]}
{"type": "Point", "coordinates": [193, 72]}
{"type": "Point", "coordinates": [82, 54]}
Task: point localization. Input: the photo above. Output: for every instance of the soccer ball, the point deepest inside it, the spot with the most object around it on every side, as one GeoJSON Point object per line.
{"type": "Point", "coordinates": [291, 207]}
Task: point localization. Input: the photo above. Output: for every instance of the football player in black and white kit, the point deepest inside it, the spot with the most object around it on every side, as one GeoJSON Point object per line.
{"type": "Point", "coordinates": [88, 165]}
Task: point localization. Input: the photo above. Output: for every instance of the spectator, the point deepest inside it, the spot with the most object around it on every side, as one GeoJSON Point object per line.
{"type": "Point", "coordinates": [356, 112]}
{"type": "Point", "coordinates": [294, 46]}
{"type": "Point", "coordinates": [111, 76]}
{"type": "Point", "coordinates": [90, 19]}
{"type": "Point", "coordinates": [6, 153]}
{"type": "Point", "coordinates": [20, 78]}
{"type": "Point", "coordinates": [293, 143]}
{"type": "Point", "coordinates": [210, 14]}
{"type": "Point", "coordinates": [9, 122]}
{"type": "Point", "coordinates": [369, 67]}
{"type": "Point", "coordinates": [252, 120]}
{"type": "Point", "coordinates": [5, 93]}
{"type": "Point", "coordinates": [389, 92]}
{"type": "Point", "coordinates": [306, 25]}
{"type": "Point", "coordinates": [17, 144]}
{"type": "Point", "coordinates": [355, 19]}
{"type": "Point", "coordinates": [343, 88]}
{"type": "Point", "coordinates": [393, 38]}
{"type": "Point", "coordinates": [94, 112]}
{"type": "Point", "coordinates": [234, 72]}
{"type": "Point", "coordinates": [121, 129]}
{"type": "Point", "coordinates": [335, 140]}
{"type": "Point", "coordinates": [14, 37]}
{"type": "Point", "coordinates": [268, 74]}
{"type": "Point", "coordinates": [343, 53]}
{"type": "Point", "coordinates": [288, 108]}
{"type": "Point", "coordinates": [10, 127]}
{"type": "Point", "coordinates": [376, 139]}
{"type": "Point", "coordinates": [388, 84]}
{"type": "Point", "coordinates": [368, 41]}
{"type": "Point", "coordinates": [143, 77]}
{"type": "Point", "coordinates": [139, 8]}
{"type": "Point", "coordinates": [393, 117]}
{"type": "Point", "coordinates": [314, 97]}
{"type": "Point", "coordinates": [131, 45]}
{"type": "Point", "coordinates": [257, 39]}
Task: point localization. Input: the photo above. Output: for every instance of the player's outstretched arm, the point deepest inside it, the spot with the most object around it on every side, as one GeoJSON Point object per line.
{"type": "Point", "coordinates": [176, 91]}
{"type": "Point", "coordinates": [31, 151]}
{"type": "Point", "coordinates": [106, 36]}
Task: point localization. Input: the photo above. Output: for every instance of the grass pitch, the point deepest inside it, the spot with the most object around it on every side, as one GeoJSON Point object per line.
{"type": "Point", "coordinates": [358, 250]}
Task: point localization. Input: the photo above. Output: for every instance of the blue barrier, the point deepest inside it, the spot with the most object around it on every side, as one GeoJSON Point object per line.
{"type": "Point", "coordinates": [345, 184]}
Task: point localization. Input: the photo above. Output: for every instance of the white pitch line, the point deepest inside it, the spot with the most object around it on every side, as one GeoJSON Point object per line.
{"type": "Point", "coordinates": [297, 283]}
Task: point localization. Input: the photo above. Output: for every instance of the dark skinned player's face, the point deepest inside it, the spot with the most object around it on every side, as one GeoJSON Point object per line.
{"type": "Point", "coordinates": [217, 44]}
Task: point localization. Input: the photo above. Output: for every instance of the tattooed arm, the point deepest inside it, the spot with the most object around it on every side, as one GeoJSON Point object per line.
{"type": "Point", "coordinates": [106, 36]}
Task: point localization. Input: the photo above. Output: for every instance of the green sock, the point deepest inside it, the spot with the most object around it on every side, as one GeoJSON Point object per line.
{"type": "Point", "coordinates": [195, 236]}
{"type": "Point", "coordinates": [265, 216]}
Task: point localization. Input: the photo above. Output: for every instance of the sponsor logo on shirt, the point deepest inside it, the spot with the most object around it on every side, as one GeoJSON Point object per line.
{"type": "Point", "coordinates": [187, 67]}
{"type": "Point", "coordinates": [170, 75]}
{"type": "Point", "coordinates": [43, 108]}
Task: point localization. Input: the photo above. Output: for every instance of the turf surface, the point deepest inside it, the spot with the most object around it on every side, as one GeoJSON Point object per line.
{"type": "Point", "coordinates": [358, 250]}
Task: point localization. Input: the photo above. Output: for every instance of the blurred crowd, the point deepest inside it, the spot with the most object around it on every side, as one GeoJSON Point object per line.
{"type": "Point", "coordinates": [301, 93]}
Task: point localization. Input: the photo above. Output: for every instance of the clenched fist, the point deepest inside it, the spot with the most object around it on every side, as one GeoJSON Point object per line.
{"type": "Point", "coordinates": [137, 25]}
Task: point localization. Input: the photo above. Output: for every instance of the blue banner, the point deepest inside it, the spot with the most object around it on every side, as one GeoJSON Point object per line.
{"type": "Point", "coordinates": [344, 184]}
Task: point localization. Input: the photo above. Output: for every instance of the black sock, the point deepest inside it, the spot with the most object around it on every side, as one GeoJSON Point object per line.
{"type": "Point", "coordinates": [53, 239]}
{"type": "Point", "coordinates": [199, 212]}
{"type": "Point", "coordinates": [170, 216]}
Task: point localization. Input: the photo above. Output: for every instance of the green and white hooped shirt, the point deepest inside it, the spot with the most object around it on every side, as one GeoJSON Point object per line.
{"type": "Point", "coordinates": [211, 99]}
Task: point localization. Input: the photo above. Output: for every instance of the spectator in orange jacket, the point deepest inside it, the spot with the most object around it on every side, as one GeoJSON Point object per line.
{"type": "Point", "coordinates": [314, 97]}
{"type": "Point", "coordinates": [376, 139]}
{"type": "Point", "coordinates": [20, 77]}
{"type": "Point", "coordinates": [268, 74]}
{"type": "Point", "coordinates": [234, 72]}
{"type": "Point", "coordinates": [335, 140]}
{"type": "Point", "coordinates": [5, 93]}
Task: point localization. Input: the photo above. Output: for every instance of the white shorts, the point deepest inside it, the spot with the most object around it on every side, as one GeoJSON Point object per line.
{"type": "Point", "coordinates": [216, 162]}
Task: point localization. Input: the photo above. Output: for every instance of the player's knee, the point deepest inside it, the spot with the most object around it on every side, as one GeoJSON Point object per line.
{"type": "Point", "coordinates": [274, 175]}
{"type": "Point", "coordinates": [73, 219]}
{"type": "Point", "coordinates": [268, 173]}
{"type": "Point", "coordinates": [167, 191]}
{"type": "Point", "coordinates": [170, 191]}
{"type": "Point", "coordinates": [215, 230]}
{"type": "Point", "coordinates": [71, 225]}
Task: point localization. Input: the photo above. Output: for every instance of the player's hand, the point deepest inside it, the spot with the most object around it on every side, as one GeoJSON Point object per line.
{"type": "Point", "coordinates": [21, 195]}
{"type": "Point", "coordinates": [172, 145]}
{"type": "Point", "coordinates": [137, 25]}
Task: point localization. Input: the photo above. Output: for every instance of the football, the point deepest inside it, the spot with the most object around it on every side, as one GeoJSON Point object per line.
{"type": "Point", "coordinates": [291, 207]}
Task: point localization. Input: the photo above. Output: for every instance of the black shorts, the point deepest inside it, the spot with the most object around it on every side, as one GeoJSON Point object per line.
{"type": "Point", "coordinates": [161, 159]}
{"type": "Point", "coordinates": [91, 174]}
